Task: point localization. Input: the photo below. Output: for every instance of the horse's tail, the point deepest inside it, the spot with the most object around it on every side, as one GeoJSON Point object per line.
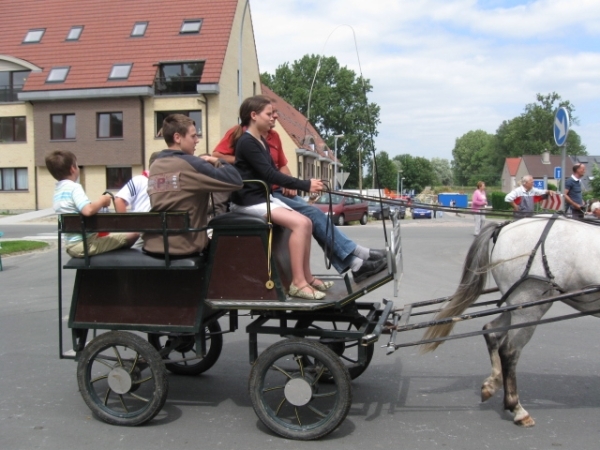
{"type": "Point", "coordinates": [472, 283]}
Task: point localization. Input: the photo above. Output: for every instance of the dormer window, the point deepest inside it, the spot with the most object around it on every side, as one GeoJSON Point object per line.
{"type": "Point", "coordinates": [178, 78]}
{"type": "Point", "coordinates": [191, 26]}
{"type": "Point", "coordinates": [34, 36]}
{"type": "Point", "coordinates": [120, 71]}
{"type": "Point", "coordinates": [57, 75]}
{"type": "Point", "coordinates": [74, 33]}
{"type": "Point", "coordinates": [139, 29]}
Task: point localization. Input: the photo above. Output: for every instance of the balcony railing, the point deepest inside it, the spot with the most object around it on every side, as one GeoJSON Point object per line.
{"type": "Point", "coordinates": [10, 93]}
{"type": "Point", "coordinates": [176, 85]}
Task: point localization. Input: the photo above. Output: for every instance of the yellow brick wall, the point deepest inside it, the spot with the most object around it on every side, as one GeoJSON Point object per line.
{"type": "Point", "coordinates": [18, 155]}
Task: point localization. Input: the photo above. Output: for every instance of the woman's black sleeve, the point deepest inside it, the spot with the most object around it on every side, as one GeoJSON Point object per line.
{"type": "Point", "coordinates": [254, 155]}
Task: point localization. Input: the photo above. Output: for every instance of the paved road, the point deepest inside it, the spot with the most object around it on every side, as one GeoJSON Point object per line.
{"type": "Point", "coordinates": [403, 401]}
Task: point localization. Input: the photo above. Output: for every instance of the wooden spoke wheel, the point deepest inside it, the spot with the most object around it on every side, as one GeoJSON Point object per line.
{"type": "Point", "coordinates": [122, 378]}
{"type": "Point", "coordinates": [294, 400]}
{"type": "Point", "coordinates": [347, 349]}
{"type": "Point", "coordinates": [183, 346]}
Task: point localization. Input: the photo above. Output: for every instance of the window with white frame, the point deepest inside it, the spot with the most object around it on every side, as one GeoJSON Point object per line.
{"type": "Point", "coordinates": [120, 71]}
{"type": "Point", "coordinates": [191, 26]}
{"type": "Point", "coordinates": [57, 75]}
{"type": "Point", "coordinates": [74, 33]}
{"type": "Point", "coordinates": [34, 36]}
{"type": "Point", "coordinates": [139, 29]}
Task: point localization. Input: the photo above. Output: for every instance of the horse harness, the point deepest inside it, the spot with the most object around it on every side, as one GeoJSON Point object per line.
{"type": "Point", "coordinates": [549, 278]}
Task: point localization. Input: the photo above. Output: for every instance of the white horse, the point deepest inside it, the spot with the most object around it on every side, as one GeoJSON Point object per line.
{"type": "Point", "coordinates": [572, 257]}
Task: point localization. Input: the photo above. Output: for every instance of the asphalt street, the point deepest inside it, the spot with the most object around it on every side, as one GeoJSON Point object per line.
{"type": "Point", "coordinates": [403, 401]}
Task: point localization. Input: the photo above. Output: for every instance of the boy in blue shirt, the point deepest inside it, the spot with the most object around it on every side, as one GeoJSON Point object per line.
{"type": "Point", "coordinates": [69, 197]}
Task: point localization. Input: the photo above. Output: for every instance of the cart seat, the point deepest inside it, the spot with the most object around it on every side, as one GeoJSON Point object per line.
{"type": "Point", "coordinates": [237, 219]}
{"type": "Point", "coordinates": [134, 259]}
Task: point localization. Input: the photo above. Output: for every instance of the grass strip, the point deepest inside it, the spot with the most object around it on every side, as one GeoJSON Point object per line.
{"type": "Point", "coordinates": [9, 247]}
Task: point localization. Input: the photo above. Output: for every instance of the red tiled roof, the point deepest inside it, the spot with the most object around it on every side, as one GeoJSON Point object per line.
{"type": "Point", "coordinates": [513, 165]}
{"type": "Point", "coordinates": [106, 40]}
{"type": "Point", "coordinates": [296, 125]}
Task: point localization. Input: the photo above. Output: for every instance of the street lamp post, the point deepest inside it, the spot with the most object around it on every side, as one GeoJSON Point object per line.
{"type": "Point", "coordinates": [335, 139]}
{"type": "Point", "coordinates": [240, 62]}
{"type": "Point", "coordinates": [398, 191]}
{"type": "Point", "coordinates": [401, 187]}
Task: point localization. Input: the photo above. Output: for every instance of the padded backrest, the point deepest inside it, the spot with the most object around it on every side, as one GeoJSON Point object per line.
{"type": "Point", "coordinates": [236, 219]}
{"type": "Point", "coordinates": [173, 222]}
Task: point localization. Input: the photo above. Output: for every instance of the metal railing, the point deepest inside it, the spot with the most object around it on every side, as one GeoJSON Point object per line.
{"type": "Point", "coordinates": [10, 93]}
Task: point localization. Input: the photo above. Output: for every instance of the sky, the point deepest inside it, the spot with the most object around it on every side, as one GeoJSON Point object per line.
{"type": "Point", "coordinates": [440, 68]}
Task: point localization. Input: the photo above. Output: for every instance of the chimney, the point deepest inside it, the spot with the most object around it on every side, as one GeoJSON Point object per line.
{"type": "Point", "coordinates": [545, 157]}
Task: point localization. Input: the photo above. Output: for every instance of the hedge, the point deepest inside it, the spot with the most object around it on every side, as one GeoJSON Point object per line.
{"type": "Point", "coordinates": [498, 202]}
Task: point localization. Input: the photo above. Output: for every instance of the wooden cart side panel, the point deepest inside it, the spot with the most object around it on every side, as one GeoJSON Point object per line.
{"type": "Point", "coordinates": [240, 270]}
{"type": "Point", "coordinates": [144, 297]}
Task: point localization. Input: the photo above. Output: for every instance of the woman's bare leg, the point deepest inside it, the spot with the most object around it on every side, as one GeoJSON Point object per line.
{"type": "Point", "coordinates": [301, 234]}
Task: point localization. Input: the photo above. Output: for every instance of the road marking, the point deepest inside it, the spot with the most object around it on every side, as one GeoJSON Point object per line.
{"type": "Point", "coordinates": [42, 236]}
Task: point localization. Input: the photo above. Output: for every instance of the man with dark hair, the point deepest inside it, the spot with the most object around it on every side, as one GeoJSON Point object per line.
{"type": "Point", "coordinates": [180, 181]}
{"type": "Point", "coordinates": [573, 192]}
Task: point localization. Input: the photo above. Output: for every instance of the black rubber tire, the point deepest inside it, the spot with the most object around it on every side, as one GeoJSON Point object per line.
{"type": "Point", "coordinates": [341, 220]}
{"type": "Point", "coordinates": [364, 219]}
{"type": "Point", "coordinates": [337, 394]}
{"type": "Point", "coordinates": [144, 364]}
{"type": "Point", "coordinates": [214, 345]}
{"type": "Point", "coordinates": [354, 368]}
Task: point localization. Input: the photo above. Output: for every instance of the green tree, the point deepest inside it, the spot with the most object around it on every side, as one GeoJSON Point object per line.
{"type": "Point", "coordinates": [417, 172]}
{"type": "Point", "coordinates": [595, 181]}
{"type": "Point", "coordinates": [532, 133]}
{"type": "Point", "coordinates": [442, 170]}
{"type": "Point", "coordinates": [387, 172]}
{"type": "Point", "coordinates": [474, 157]}
{"type": "Point", "coordinates": [338, 105]}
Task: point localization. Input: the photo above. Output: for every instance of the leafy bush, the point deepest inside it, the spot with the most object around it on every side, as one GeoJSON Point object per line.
{"type": "Point", "coordinates": [552, 187]}
{"type": "Point", "coordinates": [498, 202]}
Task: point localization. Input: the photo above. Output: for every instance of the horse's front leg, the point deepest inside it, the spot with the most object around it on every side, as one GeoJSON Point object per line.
{"type": "Point", "coordinates": [493, 341]}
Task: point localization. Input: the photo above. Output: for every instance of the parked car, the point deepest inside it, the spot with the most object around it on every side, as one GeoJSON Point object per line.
{"type": "Point", "coordinates": [377, 212]}
{"type": "Point", "coordinates": [344, 209]}
{"type": "Point", "coordinates": [421, 213]}
{"type": "Point", "coordinates": [401, 209]}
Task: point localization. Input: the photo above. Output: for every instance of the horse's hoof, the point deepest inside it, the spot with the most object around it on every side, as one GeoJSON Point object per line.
{"type": "Point", "coordinates": [486, 393]}
{"type": "Point", "coordinates": [525, 422]}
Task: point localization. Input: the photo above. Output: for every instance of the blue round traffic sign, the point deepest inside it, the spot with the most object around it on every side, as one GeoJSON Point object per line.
{"type": "Point", "coordinates": [561, 126]}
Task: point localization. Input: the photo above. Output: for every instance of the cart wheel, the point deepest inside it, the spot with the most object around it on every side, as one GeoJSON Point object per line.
{"type": "Point", "coordinates": [184, 346]}
{"type": "Point", "coordinates": [346, 349]}
{"type": "Point", "coordinates": [293, 400]}
{"type": "Point", "coordinates": [122, 378]}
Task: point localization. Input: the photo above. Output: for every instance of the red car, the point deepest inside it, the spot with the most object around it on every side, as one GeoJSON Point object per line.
{"type": "Point", "coordinates": [344, 209]}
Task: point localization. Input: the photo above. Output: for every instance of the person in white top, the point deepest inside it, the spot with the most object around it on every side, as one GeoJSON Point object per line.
{"type": "Point", "coordinates": [595, 211]}
{"type": "Point", "coordinates": [135, 193]}
{"type": "Point", "coordinates": [522, 199]}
